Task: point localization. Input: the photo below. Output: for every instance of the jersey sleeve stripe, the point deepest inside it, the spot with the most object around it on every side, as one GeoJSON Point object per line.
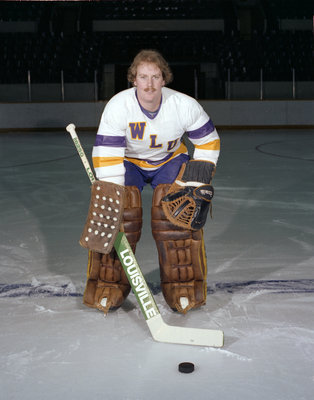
{"type": "Point", "coordinates": [106, 161]}
{"type": "Point", "coordinates": [214, 145]}
{"type": "Point", "coordinates": [110, 141]}
{"type": "Point", "coordinates": [202, 131]}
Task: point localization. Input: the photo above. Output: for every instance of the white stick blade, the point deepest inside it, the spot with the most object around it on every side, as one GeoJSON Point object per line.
{"type": "Point", "coordinates": [162, 332]}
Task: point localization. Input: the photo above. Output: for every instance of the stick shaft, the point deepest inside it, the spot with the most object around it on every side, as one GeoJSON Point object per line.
{"type": "Point", "coordinates": [135, 276]}
{"type": "Point", "coordinates": [71, 129]}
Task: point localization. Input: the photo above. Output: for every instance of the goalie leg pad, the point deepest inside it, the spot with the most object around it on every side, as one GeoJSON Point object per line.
{"type": "Point", "coordinates": [182, 259]}
{"type": "Point", "coordinates": [107, 285]}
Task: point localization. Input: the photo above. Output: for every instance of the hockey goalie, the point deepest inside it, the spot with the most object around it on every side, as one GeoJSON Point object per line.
{"type": "Point", "coordinates": [140, 142]}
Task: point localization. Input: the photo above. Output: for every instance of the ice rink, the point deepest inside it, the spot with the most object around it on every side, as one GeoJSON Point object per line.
{"type": "Point", "coordinates": [260, 250]}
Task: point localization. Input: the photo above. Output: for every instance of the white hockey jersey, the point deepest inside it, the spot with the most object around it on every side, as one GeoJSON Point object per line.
{"type": "Point", "coordinates": [149, 140]}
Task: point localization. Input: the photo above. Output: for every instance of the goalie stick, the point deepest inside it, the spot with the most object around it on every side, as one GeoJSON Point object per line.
{"type": "Point", "coordinates": [160, 331]}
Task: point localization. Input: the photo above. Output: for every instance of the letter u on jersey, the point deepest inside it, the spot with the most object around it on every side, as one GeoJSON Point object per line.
{"type": "Point", "coordinates": [137, 130]}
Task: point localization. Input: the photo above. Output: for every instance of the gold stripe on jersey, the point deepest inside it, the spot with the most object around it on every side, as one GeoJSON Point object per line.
{"type": "Point", "coordinates": [214, 145]}
{"type": "Point", "coordinates": [106, 161]}
{"type": "Point", "coordinates": [144, 164]}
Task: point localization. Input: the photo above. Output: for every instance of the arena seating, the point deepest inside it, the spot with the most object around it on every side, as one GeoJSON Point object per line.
{"type": "Point", "coordinates": [79, 52]}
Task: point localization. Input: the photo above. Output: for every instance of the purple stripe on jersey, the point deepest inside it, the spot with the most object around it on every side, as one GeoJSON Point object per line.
{"type": "Point", "coordinates": [202, 131]}
{"type": "Point", "coordinates": [110, 141]}
{"type": "Point", "coordinates": [159, 161]}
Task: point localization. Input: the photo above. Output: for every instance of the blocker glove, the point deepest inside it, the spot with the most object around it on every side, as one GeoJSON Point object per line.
{"type": "Point", "coordinates": [104, 217]}
{"type": "Point", "coordinates": [189, 197]}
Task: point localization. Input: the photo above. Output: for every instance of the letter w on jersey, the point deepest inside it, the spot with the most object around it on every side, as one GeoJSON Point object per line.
{"type": "Point", "coordinates": [137, 130]}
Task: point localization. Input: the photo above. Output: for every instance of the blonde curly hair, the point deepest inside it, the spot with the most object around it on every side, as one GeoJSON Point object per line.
{"type": "Point", "coordinates": [150, 56]}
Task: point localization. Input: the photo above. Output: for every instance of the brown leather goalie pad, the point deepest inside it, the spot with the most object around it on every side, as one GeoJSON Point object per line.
{"type": "Point", "coordinates": [105, 276]}
{"type": "Point", "coordinates": [182, 258]}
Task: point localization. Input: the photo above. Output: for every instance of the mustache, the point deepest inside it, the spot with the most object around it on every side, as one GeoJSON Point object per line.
{"type": "Point", "coordinates": [150, 90]}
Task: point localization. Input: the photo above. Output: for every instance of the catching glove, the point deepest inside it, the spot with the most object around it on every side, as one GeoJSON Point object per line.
{"type": "Point", "coordinates": [189, 197]}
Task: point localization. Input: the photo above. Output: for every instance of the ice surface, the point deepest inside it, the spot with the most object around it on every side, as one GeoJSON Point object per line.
{"type": "Point", "coordinates": [260, 251]}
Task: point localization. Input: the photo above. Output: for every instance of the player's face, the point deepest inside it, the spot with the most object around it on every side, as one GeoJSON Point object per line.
{"type": "Point", "coordinates": [149, 82]}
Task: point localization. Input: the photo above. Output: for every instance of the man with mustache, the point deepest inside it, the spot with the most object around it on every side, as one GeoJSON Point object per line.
{"type": "Point", "coordinates": [139, 142]}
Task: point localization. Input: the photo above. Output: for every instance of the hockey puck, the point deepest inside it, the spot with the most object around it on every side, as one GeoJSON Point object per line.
{"type": "Point", "coordinates": [186, 367]}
